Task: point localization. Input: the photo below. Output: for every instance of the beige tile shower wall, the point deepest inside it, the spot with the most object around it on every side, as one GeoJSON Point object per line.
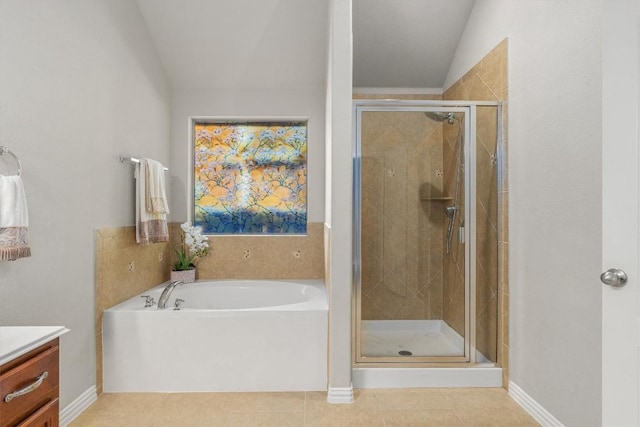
{"type": "Point", "coordinates": [262, 257]}
{"type": "Point", "coordinates": [487, 81]}
{"type": "Point", "coordinates": [401, 224]}
{"type": "Point", "coordinates": [124, 269]}
{"type": "Point", "coordinates": [415, 293]}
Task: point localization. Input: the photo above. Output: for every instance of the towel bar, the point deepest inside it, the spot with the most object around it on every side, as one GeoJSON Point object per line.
{"type": "Point", "coordinates": [5, 150]}
{"type": "Point", "coordinates": [123, 159]}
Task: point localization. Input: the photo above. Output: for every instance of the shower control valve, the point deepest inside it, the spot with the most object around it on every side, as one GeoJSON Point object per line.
{"type": "Point", "coordinates": [178, 304]}
{"type": "Point", "coordinates": [149, 301]}
{"type": "Point", "coordinates": [451, 210]}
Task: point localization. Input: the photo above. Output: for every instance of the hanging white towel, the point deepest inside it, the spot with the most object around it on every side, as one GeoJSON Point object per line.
{"type": "Point", "coordinates": [151, 203]}
{"type": "Point", "coordinates": [156, 198]}
{"type": "Point", "coordinates": [14, 219]}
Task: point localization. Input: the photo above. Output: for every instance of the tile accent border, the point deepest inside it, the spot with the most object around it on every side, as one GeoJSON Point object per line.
{"type": "Point", "coordinates": [537, 411]}
{"type": "Point", "coordinates": [78, 406]}
{"type": "Point", "coordinates": [340, 394]}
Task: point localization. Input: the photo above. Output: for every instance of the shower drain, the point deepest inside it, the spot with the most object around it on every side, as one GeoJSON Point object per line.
{"type": "Point", "coordinates": [405, 353]}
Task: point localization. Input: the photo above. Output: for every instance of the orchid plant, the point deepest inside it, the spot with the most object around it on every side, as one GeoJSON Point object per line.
{"type": "Point", "coordinates": [193, 245]}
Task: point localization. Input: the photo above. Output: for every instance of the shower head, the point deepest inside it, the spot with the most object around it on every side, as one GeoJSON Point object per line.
{"type": "Point", "coordinates": [441, 117]}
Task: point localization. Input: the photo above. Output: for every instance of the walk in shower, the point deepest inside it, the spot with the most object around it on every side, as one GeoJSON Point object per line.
{"type": "Point", "coordinates": [426, 224]}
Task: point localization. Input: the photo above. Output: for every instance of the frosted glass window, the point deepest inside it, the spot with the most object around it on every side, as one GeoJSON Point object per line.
{"type": "Point", "coordinates": [250, 178]}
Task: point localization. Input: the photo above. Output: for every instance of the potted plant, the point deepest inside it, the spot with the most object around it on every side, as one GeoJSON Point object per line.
{"type": "Point", "coordinates": [193, 245]}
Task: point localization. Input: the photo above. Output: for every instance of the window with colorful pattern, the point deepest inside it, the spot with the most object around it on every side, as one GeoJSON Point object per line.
{"type": "Point", "coordinates": [250, 177]}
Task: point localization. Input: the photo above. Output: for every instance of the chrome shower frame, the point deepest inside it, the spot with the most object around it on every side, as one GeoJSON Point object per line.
{"type": "Point", "coordinates": [470, 157]}
{"type": "Point", "coordinates": [452, 211]}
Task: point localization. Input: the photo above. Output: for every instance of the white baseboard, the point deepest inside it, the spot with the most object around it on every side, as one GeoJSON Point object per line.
{"type": "Point", "coordinates": [75, 408]}
{"type": "Point", "coordinates": [340, 394]}
{"type": "Point", "coordinates": [534, 409]}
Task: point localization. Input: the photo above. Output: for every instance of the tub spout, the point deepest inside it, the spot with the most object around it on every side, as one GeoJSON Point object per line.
{"type": "Point", "coordinates": [166, 293]}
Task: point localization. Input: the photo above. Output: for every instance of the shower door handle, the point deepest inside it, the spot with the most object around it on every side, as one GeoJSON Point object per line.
{"type": "Point", "coordinates": [614, 277]}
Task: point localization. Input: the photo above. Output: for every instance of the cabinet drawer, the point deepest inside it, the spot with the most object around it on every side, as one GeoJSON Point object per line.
{"type": "Point", "coordinates": [25, 377]}
{"type": "Point", "coordinates": [47, 416]}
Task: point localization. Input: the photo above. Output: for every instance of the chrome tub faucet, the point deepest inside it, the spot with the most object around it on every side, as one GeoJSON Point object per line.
{"type": "Point", "coordinates": [166, 293]}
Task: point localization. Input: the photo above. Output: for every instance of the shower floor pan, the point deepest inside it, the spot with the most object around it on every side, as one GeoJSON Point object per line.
{"type": "Point", "coordinates": [388, 338]}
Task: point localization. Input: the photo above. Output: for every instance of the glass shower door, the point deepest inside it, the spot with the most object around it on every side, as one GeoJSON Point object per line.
{"type": "Point", "coordinates": [413, 295]}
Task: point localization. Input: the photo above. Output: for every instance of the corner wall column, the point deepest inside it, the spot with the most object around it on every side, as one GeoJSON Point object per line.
{"type": "Point", "coordinates": [339, 203]}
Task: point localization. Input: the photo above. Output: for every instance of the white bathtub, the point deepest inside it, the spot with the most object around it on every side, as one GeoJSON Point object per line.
{"type": "Point", "coordinates": [229, 335]}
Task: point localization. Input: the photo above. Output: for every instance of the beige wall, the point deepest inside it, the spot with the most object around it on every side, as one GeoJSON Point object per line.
{"type": "Point", "coordinates": [81, 83]}
{"type": "Point", "coordinates": [555, 198]}
{"type": "Point", "coordinates": [486, 81]}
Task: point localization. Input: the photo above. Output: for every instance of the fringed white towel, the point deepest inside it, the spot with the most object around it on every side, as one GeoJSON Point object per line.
{"type": "Point", "coordinates": [14, 219]}
{"type": "Point", "coordinates": [151, 203]}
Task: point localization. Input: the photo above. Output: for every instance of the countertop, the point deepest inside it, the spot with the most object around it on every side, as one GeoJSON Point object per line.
{"type": "Point", "coordinates": [18, 340]}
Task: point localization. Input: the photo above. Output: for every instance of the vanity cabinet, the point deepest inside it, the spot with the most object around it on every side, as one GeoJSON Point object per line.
{"type": "Point", "coordinates": [29, 388]}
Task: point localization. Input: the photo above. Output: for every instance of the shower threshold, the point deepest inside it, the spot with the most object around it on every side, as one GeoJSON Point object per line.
{"type": "Point", "coordinates": [385, 338]}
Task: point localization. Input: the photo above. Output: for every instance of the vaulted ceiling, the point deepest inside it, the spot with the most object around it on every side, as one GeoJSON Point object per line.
{"type": "Point", "coordinates": [283, 43]}
{"type": "Point", "coordinates": [240, 43]}
{"type": "Point", "coordinates": [406, 43]}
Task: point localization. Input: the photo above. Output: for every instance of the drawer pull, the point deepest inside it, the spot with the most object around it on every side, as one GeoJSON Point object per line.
{"type": "Point", "coordinates": [28, 389]}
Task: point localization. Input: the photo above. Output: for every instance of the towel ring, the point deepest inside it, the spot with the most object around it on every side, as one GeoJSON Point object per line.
{"type": "Point", "coordinates": [5, 150]}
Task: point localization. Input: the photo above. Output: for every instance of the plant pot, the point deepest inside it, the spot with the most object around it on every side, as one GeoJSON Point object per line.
{"type": "Point", "coordinates": [184, 276]}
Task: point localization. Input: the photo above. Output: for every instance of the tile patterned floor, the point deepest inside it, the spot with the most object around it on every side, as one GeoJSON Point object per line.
{"type": "Point", "coordinates": [444, 407]}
